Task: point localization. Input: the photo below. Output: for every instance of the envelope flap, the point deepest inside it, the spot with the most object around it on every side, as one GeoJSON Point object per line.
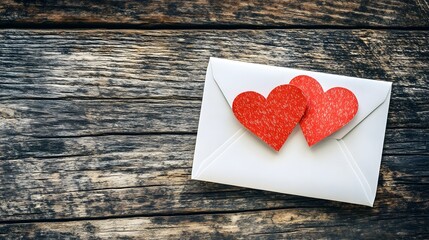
{"type": "Point", "coordinates": [235, 77]}
{"type": "Point", "coordinates": [370, 94]}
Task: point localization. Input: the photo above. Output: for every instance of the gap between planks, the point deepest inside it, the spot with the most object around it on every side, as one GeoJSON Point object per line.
{"type": "Point", "coordinates": [184, 213]}
{"type": "Point", "coordinates": [197, 27]}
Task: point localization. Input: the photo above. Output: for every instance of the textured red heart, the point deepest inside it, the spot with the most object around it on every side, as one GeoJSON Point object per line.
{"type": "Point", "coordinates": [327, 111]}
{"type": "Point", "coordinates": [274, 118]}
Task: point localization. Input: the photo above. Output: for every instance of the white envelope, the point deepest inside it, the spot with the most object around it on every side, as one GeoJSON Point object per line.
{"type": "Point", "coordinates": [343, 167]}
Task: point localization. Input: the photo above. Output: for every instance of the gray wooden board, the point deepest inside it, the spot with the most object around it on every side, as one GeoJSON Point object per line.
{"type": "Point", "coordinates": [201, 13]}
{"type": "Point", "coordinates": [97, 132]}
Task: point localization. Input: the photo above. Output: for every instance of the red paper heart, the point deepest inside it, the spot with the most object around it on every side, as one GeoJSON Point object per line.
{"type": "Point", "coordinates": [274, 118]}
{"type": "Point", "coordinates": [327, 111]}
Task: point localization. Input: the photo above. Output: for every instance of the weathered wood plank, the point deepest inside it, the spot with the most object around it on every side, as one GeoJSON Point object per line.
{"type": "Point", "coordinates": [100, 124]}
{"type": "Point", "coordinates": [68, 118]}
{"type": "Point", "coordinates": [413, 13]}
{"type": "Point", "coordinates": [141, 175]}
{"type": "Point", "coordinates": [138, 65]}
{"type": "Point", "coordinates": [50, 118]}
{"type": "Point", "coordinates": [304, 223]}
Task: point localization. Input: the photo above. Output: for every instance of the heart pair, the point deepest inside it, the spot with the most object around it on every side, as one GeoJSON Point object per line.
{"type": "Point", "coordinates": [301, 101]}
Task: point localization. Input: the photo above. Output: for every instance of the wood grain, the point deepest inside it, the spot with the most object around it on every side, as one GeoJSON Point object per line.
{"type": "Point", "coordinates": [298, 223]}
{"type": "Point", "coordinates": [100, 125]}
{"type": "Point", "coordinates": [203, 13]}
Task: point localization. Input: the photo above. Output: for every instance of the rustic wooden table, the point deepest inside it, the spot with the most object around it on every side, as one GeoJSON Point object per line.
{"type": "Point", "coordinates": [99, 107]}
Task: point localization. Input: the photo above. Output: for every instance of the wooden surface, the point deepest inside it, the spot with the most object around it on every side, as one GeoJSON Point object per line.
{"type": "Point", "coordinates": [262, 13]}
{"type": "Point", "coordinates": [98, 127]}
